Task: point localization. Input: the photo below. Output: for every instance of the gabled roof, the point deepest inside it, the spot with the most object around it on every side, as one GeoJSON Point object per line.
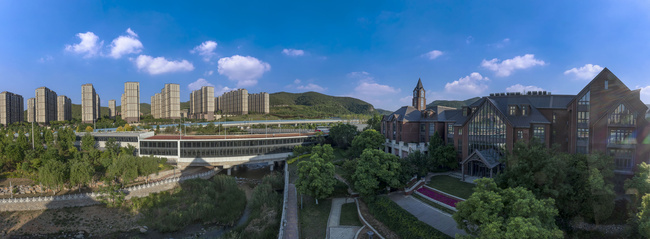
{"type": "Point", "coordinates": [419, 85]}
{"type": "Point", "coordinates": [605, 73]}
{"type": "Point", "coordinates": [489, 157]}
{"type": "Point", "coordinates": [406, 113]}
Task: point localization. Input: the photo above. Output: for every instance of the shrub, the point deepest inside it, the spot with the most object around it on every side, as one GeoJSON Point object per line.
{"type": "Point", "coordinates": [403, 223]}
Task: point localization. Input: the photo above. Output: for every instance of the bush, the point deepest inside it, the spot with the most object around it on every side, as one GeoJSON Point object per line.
{"type": "Point", "coordinates": [403, 223]}
{"type": "Point", "coordinates": [293, 160]}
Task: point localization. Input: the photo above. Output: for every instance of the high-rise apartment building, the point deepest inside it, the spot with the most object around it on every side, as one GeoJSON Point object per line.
{"type": "Point", "coordinates": [98, 107]}
{"type": "Point", "coordinates": [202, 103]}
{"type": "Point", "coordinates": [89, 104]}
{"type": "Point", "coordinates": [111, 108]}
{"type": "Point", "coordinates": [258, 103]}
{"type": "Point", "coordinates": [11, 108]}
{"type": "Point", "coordinates": [45, 105]}
{"type": "Point", "coordinates": [64, 108]}
{"type": "Point", "coordinates": [234, 102]}
{"type": "Point", "coordinates": [131, 102]}
{"type": "Point", "coordinates": [31, 110]}
{"type": "Point", "coordinates": [167, 103]}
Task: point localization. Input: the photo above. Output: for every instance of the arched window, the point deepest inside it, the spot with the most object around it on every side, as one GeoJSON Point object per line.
{"type": "Point", "coordinates": [622, 116]}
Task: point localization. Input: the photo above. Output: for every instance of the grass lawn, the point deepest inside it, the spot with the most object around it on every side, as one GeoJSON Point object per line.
{"type": "Point", "coordinates": [452, 186]}
{"type": "Point", "coordinates": [433, 204]}
{"type": "Point", "coordinates": [313, 218]}
{"type": "Point", "coordinates": [340, 190]}
{"type": "Point", "coordinates": [349, 215]}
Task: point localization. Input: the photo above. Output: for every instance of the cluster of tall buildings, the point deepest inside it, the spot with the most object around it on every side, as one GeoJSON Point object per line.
{"type": "Point", "coordinates": [46, 107]}
{"type": "Point", "coordinates": [131, 102]}
{"type": "Point", "coordinates": [202, 103]}
{"type": "Point", "coordinates": [167, 103]}
{"type": "Point", "coordinates": [11, 108]}
{"type": "Point", "coordinates": [90, 106]}
{"type": "Point", "coordinates": [239, 102]}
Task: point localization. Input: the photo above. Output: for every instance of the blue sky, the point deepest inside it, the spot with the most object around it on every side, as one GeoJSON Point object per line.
{"type": "Point", "coordinates": [372, 50]}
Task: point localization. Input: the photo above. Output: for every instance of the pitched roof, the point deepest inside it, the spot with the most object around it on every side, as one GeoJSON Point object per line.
{"type": "Point", "coordinates": [419, 85]}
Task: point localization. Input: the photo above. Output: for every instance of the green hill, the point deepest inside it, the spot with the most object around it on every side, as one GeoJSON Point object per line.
{"type": "Point", "coordinates": [314, 104]}
{"type": "Point", "coordinates": [453, 103]}
{"type": "Point", "coordinates": [383, 112]}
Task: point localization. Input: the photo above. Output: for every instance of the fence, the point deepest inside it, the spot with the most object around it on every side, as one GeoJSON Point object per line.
{"type": "Point", "coordinates": [84, 197]}
{"type": "Point", "coordinates": [284, 201]}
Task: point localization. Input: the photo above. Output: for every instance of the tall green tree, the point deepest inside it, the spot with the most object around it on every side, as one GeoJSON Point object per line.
{"type": "Point", "coordinates": [492, 212]}
{"type": "Point", "coordinates": [368, 139]}
{"type": "Point", "coordinates": [326, 152]}
{"type": "Point", "coordinates": [374, 122]}
{"type": "Point", "coordinates": [441, 155]}
{"type": "Point", "coordinates": [316, 177]}
{"type": "Point", "coordinates": [375, 170]}
{"type": "Point", "coordinates": [643, 216]}
{"type": "Point", "coordinates": [416, 163]}
{"type": "Point", "coordinates": [87, 142]}
{"type": "Point", "coordinates": [639, 185]}
{"type": "Point", "coordinates": [53, 174]}
{"type": "Point", "coordinates": [81, 172]}
{"type": "Point", "coordinates": [342, 135]}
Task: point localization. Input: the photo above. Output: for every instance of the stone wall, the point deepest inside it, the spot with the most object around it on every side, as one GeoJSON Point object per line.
{"type": "Point", "coordinates": [87, 199]}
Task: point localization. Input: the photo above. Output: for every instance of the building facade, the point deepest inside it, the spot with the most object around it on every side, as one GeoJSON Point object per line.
{"type": "Point", "coordinates": [111, 109]}
{"type": "Point", "coordinates": [31, 110]}
{"type": "Point", "coordinates": [131, 102]}
{"type": "Point", "coordinates": [167, 103]}
{"type": "Point", "coordinates": [234, 102]}
{"type": "Point", "coordinates": [64, 108]}
{"type": "Point", "coordinates": [11, 108]}
{"type": "Point", "coordinates": [45, 105]}
{"type": "Point", "coordinates": [89, 104]}
{"type": "Point", "coordinates": [258, 103]}
{"type": "Point", "coordinates": [202, 103]}
{"type": "Point", "coordinates": [604, 117]}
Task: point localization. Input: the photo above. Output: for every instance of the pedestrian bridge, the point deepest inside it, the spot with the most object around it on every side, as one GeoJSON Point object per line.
{"type": "Point", "coordinates": [223, 151]}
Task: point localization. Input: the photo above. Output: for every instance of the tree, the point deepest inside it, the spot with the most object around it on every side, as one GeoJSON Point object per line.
{"type": "Point", "coordinates": [87, 142]}
{"type": "Point", "coordinates": [326, 152]}
{"type": "Point", "coordinates": [375, 170]}
{"type": "Point", "coordinates": [441, 155]}
{"type": "Point", "coordinates": [128, 127]}
{"type": "Point", "coordinates": [157, 129]}
{"type": "Point", "coordinates": [53, 174]}
{"type": "Point", "coordinates": [639, 185]}
{"type": "Point", "coordinates": [112, 146]}
{"type": "Point", "coordinates": [374, 122]}
{"type": "Point", "coordinates": [119, 129]}
{"type": "Point", "coordinates": [89, 129]}
{"type": "Point", "coordinates": [342, 135]}
{"type": "Point", "coordinates": [81, 172]}
{"type": "Point", "coordinates": [643, 217]}
{"type": "Point", "coordinates": [492, 212]}
{"type": "Point", "coordinates": [416, 163]}
{"type": "Point", "coordinates": [368, 139]}
{"type": "Point", "coordinates": [316, 177]}
{"type": "Point", "coordinates": [49, 137]}
{"type": "Point", "coordinates": [123, 167]}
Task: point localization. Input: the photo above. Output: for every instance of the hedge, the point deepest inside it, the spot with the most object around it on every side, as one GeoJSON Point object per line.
{"type": "Point", "coordinates": [290, 161]}
{"type": "Point", "coordinates": [400, 221]}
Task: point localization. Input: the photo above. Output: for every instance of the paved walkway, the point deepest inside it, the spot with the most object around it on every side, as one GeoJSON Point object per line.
{"type": "Point", "coordinates": [334, 229]}
{"type": "Point", "coordinates": [291, 230]}
{"type": "Point", "coordinates": [427, 214]}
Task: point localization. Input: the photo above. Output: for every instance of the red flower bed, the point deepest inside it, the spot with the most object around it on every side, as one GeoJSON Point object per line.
{"type": "Point", "coordinates": [438, 196]}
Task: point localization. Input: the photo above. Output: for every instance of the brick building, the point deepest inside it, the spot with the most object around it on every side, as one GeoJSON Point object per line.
{"type": "Point", "coordinates": [605, 116]}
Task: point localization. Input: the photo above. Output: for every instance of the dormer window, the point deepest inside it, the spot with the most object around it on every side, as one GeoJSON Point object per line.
{"type": "Point", "coordinates": [512, 110]}
{"type": "Point", "coordinates": [525, 110]}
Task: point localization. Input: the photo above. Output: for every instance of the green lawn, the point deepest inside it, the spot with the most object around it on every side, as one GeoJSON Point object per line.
{"type": "Point", "coordinates": [313, 218]}
{"type": "Point", "coordinates": [452, 186]}
{"type": "Point", "coordinates": [433, 204]}
{"type": "Point", "coordinates": [349, 215]}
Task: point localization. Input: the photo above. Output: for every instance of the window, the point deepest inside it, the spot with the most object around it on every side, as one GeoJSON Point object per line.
{"type": "Point", "coordinates": [539, 132]}
{"type": "Point", "coordinates": [554, 118]}
{"type": "Point", "coordinates": [524, 110]}
{"type": "Point", "coordinates": [512, 110]}
{"type": "Point", "coordinates": [486, 130]}
{"type": "Point", "coordinates": [622, 116]}
{"type": "Point", "coordinates": [606, 84]}
{"type": "Point", "coordinates": [623, 158]}
{"type": "Point", "coordinates": [432, 129]}
{"type": "Point", "coordinates": [621, 136]}
{"type": "Point", "coordinates": [423, 128]}
{"type": "Point", "coordinates": [450, 133]}
{"type": "Point", "coordinates": [583, 117]}
{"type": "Point", "coordinates": [520, 134]}
{"type": "Point", "coordinates": [585, 99]}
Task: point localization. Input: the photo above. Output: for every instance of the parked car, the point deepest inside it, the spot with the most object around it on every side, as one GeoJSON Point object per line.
{"type": "Point", "coordinates": [325, 130]}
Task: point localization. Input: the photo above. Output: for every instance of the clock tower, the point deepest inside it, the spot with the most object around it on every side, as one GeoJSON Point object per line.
{"type": "Point", "coordinates": [419, 98]}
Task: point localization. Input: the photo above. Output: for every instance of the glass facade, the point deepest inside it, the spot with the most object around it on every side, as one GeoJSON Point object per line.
{"type": "Point", "coordinates": [222, 148]}
{"type": "Point", "coordinates": [621, 137]}
{"type": "Point", "coordinates": [623, 158]}
{"type": "Point", "coordinates": [486, 130]}
{"type": "Point", "coordinates": [622, 116]}
{"type": "Point", "coordinates": [582, 140]}
{"type": "Point", "coordinates": [450, 133]}
{"type": "Point", "coordinates": [539, 133]}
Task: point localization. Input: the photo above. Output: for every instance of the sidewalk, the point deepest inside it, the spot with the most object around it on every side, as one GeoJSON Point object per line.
{"type": "Point", "coordinates": [427, 214]}
{"type": "Point", "coordinates": [291, 230]}
{"type": "Point", "coordinates": [334, 229]}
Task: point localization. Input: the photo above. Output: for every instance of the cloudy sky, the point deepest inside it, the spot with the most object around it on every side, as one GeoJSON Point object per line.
{"type": "Point", "coordinates": [372, 50]}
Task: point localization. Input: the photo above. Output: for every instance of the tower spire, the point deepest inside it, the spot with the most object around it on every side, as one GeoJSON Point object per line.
{"type": "Point", "coordinates": [419, 99]}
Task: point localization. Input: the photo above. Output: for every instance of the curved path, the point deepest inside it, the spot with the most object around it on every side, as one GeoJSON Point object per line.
{"type": "Point", "coordinates": [427, 214]}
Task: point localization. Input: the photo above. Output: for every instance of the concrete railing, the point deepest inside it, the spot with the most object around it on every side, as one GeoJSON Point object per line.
{"type": "Point", "coordinates": [94, 195]}
{"type": "Point", "coordinates": [284, 202]}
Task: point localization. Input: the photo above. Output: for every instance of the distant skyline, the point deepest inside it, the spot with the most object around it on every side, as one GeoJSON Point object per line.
{"type": "Point", "coordinates": [371, 50]}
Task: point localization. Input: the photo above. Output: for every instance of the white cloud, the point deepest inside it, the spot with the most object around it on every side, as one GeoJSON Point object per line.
{"type": "Point", "coordinates": [586, 72]}
{"type": "Point", "coordinates": [381, 96]}
{"type": "Point", "coordinates": [408, 100]}
{"type": "Point", "coordinates": [245, 70]}
{"type": "Point", "coordinates": [374, 89]}
{"type": "Point", "coordinates": [206, 49]}
{"type": "Point", "coordinates": [472, 84]}
{"type": "Point", "coordinates": [469, 39]}
{"type": "Point", "coordinates": [360, 75]}
{"type": "Point", "coordinates": [523, 88]}
{"type": "Point", "coordinates": [645, 94]}
{"type": "Point", "coordinates": [506, 67]}
{"type": "Point", "coordinates": [297, 81]}
{"type": "Point", "coordinates": [208, 73]}
{"type": "Point", "coordinates": [219, 90]}
{"type": "Point", "coordinates": [45, 59]}
{"type": "Point", "coordinates": [311, 87]}
{"type": "Point", "coordinates": [124, 45]}
{"type": "Point", "coordinates": [198, 84]}
{"type": "Point", "coordinates": [160, 65]}
{"type": "Point", "coordinates": [293, 52]}
{"type": "Point", "coordinates": [501, 44]}
{"type": "Point", "coordinates": [432, 54]}
{"type": "Point", "coordinates": [89, 46]}
{"type": "Point", "coordinates": [131, 32]}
